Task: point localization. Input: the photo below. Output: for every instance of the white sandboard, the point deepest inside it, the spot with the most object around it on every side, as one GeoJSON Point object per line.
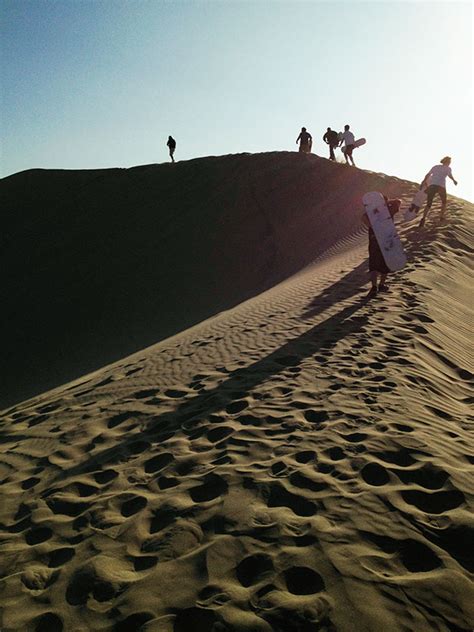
{"type": "Point", "coordinates": [420, 201]}
{"type": "Point", "coordinates": [384, 230]}
{"type": "Point", "coordinates": [358, 143]}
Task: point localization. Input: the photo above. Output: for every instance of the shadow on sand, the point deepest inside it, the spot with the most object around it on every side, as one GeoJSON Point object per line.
{"type": "Point", "coordinates": [238, 384]}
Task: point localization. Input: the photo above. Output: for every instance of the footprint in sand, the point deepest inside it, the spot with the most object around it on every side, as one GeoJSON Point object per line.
{"type": "Point", "coordinates": [375, 474]}
{"type": "Point", "coordinates": [236, 406]}
{"type": "Point", "coordinates": [278, 496]}
{"type": "Point", "coordinates": [316, 416]}
{"type": "Point", "coordinates": [30, 482]}
{"type": "Point", "coordinates": [174, 542]}
{"type": "Point", "coordinates": [133, 505]}
{"type": "Point", "coordinates": [197, 620]}
{"type": "Point", "coordinates": [144, 563]}
{"type": "Point", "coordinates": [105, 476]}
{"type": "Point", "coordinates": [49, 622]}
{"type": "Point", "coordinates": [305, 456]}
{"type": "Point", "coordinates": [37, 535]}
{"type": "Point", "coordinates": [416, 556]}
{"type": "Point", "coordinates": [304, 482]}
{"type": "Point", "coordinates": [134, 622]}
{"type": "Point", "coordinates": [212, 597]}
{"type": "Point", "coordinates": [212, 487]}
{"type": "Point", "coordinates": [253, 569]}
{"type": "Point", "coordinates": [38, 578]}
{"type": "Point", "coordinates": [302, 580]}
{"type": "Point", "coordinates": [158, 462]}
{"type": "Point", "coordinates": [218, 434]}
{"type": "Point", "coordinates": [117, 420]}
{"type": "Point", "coordinates": [426, 476]}
{"type": "Point", "coordinates": [402, 457]}
{"type": "Point", "coordinates": [165, 482]}
{"type": "Point", "coordinates": [67, 507]}
{"type": "Point", "coordinates": [58, 557]}
{"type": "Point", "coordinates": [434, 503]}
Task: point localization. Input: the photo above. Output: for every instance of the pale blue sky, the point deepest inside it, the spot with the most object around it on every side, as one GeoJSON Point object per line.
{"type": "Point", "coordinates": [101, 83]}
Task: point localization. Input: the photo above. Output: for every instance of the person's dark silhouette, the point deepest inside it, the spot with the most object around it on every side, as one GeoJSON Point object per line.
{"type": "Point", "coordinates": [331, 137]}
{"type": "Point", "coordinates": [171, 144]}
{"type": "Point", "coordinates": [305, 140]}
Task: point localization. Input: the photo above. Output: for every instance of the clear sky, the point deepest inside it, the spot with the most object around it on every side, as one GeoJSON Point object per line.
{"type": "Point", "coordinates": [102, 83]}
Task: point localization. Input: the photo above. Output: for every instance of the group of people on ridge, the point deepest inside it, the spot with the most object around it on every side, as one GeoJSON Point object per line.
{"type": "Point", "coordinates": [434, 183]}
{"type": "Point", "coordinates": [333, 139]}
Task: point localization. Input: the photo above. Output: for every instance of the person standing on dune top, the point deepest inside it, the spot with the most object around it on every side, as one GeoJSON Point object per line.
{"type": "Point", "coordinates": [347, 137]}
{"type": "Point", "coordinates": [171, 144]}
{"type": "Point", "coordinates": [436, 180]}
{"type": "Point", "coordinates": [331, 137]}
{"type": "Point", "coordinates": [305, 140]}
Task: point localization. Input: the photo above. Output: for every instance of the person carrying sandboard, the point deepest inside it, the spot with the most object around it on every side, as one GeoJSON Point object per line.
{"type": "Point", "coordinates": [436, 180]}
{"type": "Point", "coordinates": [386, 252]}
{"type": "Point", "coordinates": [347, 137]}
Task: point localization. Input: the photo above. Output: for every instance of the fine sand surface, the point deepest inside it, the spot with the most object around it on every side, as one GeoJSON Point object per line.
{"type": "Point", "coordinates": [302, 462]}
{"type": "Point", "coordinates": [100, 264]}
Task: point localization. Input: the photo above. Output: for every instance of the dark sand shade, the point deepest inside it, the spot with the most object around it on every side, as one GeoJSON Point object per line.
{"type": "Point", "coordinates": [100, 264]}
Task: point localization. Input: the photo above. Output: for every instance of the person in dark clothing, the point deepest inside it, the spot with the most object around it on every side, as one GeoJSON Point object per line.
{"type": "Point", "coordinates": [305, 140]}
{"type": "Point", "coordinates": [171, 144]}
{"type": "Point", "coordinates": [377, 265]}
{"type": "Point", "coordinates": [331, 137]}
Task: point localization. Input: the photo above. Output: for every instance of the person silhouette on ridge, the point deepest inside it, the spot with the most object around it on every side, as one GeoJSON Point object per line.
{"type": "Point", "coordinates": [171, 144]}
{"type": "Point", "coordinates": [348, 139]}
{"type": "Point", "coordinates": [331, 137]}
{"type": "Point", "coordinates": [305, 140]}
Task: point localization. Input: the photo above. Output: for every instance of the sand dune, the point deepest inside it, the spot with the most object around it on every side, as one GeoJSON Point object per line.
{"type": "Point", "coordinates": [300, 462]}
{"type": "Point", "coordinates": [100, 264]}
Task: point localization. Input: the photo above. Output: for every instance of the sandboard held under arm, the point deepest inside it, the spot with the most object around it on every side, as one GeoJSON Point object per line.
{"type": "Point", "coordinates": [358, 143]}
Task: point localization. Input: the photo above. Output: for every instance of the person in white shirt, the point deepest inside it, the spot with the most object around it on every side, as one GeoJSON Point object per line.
{"type": "Point", "coordinates": [436, 181]}
{"type": "Point", "coordinates": [347, 137]}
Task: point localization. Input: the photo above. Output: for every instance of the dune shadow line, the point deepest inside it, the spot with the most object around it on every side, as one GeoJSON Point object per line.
{"type": "Point", "coordinates": [324, 335]}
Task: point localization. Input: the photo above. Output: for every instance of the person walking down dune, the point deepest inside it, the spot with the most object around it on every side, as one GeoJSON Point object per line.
{"type": "Point", "coordinates": [436, 181]}
{"type": "Point", "coordinates": [331, 138]}
{"type": "Point", "coordinates": [171, 144]}
{"type": "Point", "coordinates": [305, 140]}
{"type": "Point", "coordinates": [347, 137]}
{"type": "Point", "coordinates": [377, 265]}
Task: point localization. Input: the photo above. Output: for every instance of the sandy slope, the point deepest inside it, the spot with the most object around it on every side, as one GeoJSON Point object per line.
{"type": "Point", "coordinates": [100, 264]}
{"type": "Point", "coordinates": [301, 462]}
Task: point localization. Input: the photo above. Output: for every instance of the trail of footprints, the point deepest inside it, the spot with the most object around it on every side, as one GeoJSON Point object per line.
{"type": "Point", "coordinates": [299, 485]}
{"type": "Point", "coordinates": [182, 452]}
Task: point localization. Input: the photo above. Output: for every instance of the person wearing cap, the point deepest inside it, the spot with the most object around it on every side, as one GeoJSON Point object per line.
{"type": "Point", "coordinates": [436, 181]}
